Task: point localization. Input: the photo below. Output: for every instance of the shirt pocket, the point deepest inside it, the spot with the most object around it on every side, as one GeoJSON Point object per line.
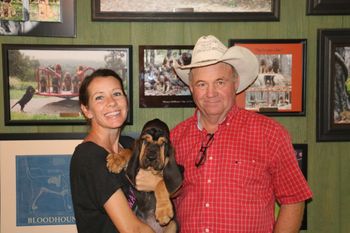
{"type": "Point", "coordinates": [250, 176]}
{"type": "Point", "coordinates": [247, 170]}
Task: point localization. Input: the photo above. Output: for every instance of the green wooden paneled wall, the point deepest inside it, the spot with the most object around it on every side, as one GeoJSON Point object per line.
{"type": "Point", "coordinates": [329, 162]}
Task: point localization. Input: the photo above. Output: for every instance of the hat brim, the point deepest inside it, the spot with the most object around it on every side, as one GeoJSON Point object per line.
{"type": "Point", "coordinates": [242, 59]}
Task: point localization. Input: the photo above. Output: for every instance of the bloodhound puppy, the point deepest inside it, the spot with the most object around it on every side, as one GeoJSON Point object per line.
{"type": "Point", "coordinates": [154, 152]}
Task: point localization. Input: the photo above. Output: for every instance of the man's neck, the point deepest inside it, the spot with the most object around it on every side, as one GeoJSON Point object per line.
{"type": "Point", "coordinates": [210, 124]}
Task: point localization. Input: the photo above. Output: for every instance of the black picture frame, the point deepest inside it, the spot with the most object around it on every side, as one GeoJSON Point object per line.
{"type": "Point", "coordinates": [159, 86]}
{"type": "Point", "coordinates": [279, 90]}
{"type": "Point", "coordinates": [182, 14]}
{"type": "Point", "coordinates": [333, 85]}
{"type": "Point", "coordinates": [55, 75]}
{"type": "Point", "coordinates": [65, 28]}
{"type": "Point", "coordinates": [301, 155]}
{"type": "Point", "coordinates": [40, 136]}
{"type": "Point", "coordinates": [327, 7]}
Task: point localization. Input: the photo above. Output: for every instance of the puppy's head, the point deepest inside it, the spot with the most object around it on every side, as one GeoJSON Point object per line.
{"type": "Point", "coordinates": [154, 145]}
{"type": "Point", "coordinates": [152, 151]}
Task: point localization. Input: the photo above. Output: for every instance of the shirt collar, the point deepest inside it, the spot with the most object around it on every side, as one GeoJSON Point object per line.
{"type": "Point", "coordinates": [234, 110]}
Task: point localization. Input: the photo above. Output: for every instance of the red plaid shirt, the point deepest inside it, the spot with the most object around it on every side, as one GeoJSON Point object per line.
{"type": "Point", "coordinates": [250, 164]}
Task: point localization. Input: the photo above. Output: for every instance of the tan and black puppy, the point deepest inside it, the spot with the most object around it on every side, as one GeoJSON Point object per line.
{"type": "Point", "coordinates": [153, 151]}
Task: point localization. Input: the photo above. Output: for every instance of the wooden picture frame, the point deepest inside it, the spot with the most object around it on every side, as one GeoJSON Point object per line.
{"type": "Point", "coordinates": [26, 27]}
{"type": "Point", "coordinates": [41, 82]}
{"type": "Point", "coordinates": [327, 7]}
{"type": "Point", "coordinates": [181, 11]}
{"type": "Point", "coordinates": [279, 89]}
{"type": "Point", "coordinates": [333, 85]}
{"type": "Point", "coordinates": [159, 85]}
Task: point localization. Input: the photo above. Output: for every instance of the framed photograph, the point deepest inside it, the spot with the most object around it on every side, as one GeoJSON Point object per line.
{"type": "Point", "coordinates": [41, 82]}
{"type": "Point", "coordinates": [38, 18]}
{"type": "Point", "coordinates": [35, 186]}
{"type": "Point", "coordinates": [160, 87]}
{"type": "Point", "coordinates": [279, 89]}
{"type": "Point", "coordinates": [193, 10]}
{"type": "Point", "coordinates": [333, 85]}
{"type": "Point", "coordinates": [328, 7]}
{"type": "Point", "coordinates": [301, 155]}
{"type": "Point", "coordinates": [25, 10]}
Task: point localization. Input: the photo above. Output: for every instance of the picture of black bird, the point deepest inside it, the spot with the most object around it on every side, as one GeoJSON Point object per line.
{"type": "Point", "coordinates": [25, 98]}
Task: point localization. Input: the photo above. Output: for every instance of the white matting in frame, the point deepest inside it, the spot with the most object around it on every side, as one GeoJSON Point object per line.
{"type": "Point", "coordinates": [10, 151]}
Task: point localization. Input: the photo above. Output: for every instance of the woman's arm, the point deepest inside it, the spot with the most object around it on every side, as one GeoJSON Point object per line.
{"type": "Point", "coordinates": [122, 216]}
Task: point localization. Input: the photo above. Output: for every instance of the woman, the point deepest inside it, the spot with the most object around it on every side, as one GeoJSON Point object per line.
{"type": "Point", "coordinates": [102, 201]}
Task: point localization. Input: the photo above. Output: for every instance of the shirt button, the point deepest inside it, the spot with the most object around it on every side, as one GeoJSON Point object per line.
{"type": "Point", "coordinates": [206, 230]}
{"type": "Point", "coordinates": [207, 205]}
{"type": "Point", "coordinates": [210, 158]}
{"type": "Point", "coordinates": [209, 181]}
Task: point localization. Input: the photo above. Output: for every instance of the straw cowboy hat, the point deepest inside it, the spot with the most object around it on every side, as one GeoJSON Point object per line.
{"type": "Point", "coordinates": [209, 50]}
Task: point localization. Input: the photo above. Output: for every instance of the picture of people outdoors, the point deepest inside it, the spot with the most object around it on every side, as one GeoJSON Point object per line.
{"type": "Point", "coordinates": [159, 85]}
{"type": "Point", "coordinates": [39, 10]}
{"type": "Point", "coordinates": [42, 82]}
{"type": "Point", "coordinates": [272, 88]}
{"type": "Point", "coordinates": [52, 18]}
{"type": "Point", "coordinates": [45, 10]}
{"type": "Point", "coordinates": [193, 5]}
{"type": "Point", "coordinates": [279, 86]}
{"type": "Point", "coordinates": [185, 10]}
{"type": "Point", "coordinates": [342, 85]}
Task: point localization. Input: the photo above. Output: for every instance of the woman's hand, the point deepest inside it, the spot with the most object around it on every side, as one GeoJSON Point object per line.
{"type": "Point", "coordinates": [147, 181]}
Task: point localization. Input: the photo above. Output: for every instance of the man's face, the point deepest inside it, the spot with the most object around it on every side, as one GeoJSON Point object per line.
{"type": "Point", "coordinates": [213, 89]}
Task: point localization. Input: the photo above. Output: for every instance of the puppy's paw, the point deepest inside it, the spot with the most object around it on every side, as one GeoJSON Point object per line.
{"type": "Point", "coordinates": [164, 212]}
{"type": "Point", "coordinates": [117, 162]}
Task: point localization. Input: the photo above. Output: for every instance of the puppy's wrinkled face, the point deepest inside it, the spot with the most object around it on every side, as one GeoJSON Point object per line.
{"type": "Point", "coordinates": [153, 151]}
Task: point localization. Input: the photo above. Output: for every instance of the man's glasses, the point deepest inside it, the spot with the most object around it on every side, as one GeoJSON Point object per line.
{"type": "Point", "coordinates": [202, 154]}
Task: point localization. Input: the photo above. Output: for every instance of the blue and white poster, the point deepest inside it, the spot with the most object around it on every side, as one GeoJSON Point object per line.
{"type": "Point", "coordinates": [43, 190]}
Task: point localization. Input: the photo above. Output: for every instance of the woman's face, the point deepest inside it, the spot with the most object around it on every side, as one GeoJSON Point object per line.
{"type": "Point", "coordinates": [107, 106]}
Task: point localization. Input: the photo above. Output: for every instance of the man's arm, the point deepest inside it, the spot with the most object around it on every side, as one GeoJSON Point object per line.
{"type": "Point", "coordinates": [289, 218]}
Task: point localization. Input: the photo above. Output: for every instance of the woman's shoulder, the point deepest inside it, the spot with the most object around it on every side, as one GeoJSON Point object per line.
{"type": "Point", "coordinates": [88, 146]}
{"type": "Point", "coordinates": [87, 151]}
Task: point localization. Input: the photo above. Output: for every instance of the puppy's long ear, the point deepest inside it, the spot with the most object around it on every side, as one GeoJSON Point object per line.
{"type": "Point", "coordinates": [172, 173]}
{"type": "Point", "coordinates": [134, 163]}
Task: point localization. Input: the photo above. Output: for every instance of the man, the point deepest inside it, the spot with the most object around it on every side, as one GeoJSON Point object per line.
{"type": "Point", "coordinates": [237, 163]}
